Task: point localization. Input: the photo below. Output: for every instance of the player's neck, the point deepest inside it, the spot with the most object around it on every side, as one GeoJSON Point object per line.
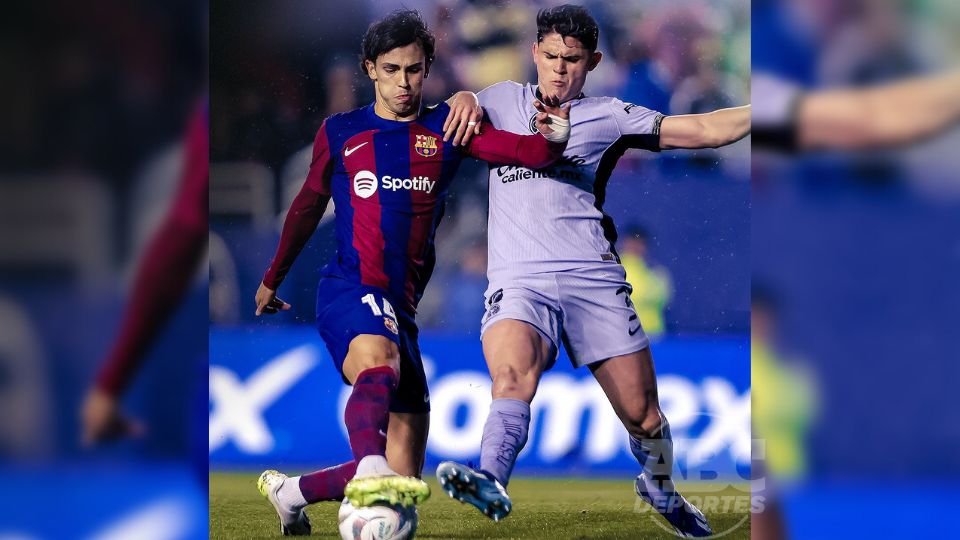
{"type": "Point", "coordinates": [383, 112]}
{"type": "Point", "coordinates": [539, 95]}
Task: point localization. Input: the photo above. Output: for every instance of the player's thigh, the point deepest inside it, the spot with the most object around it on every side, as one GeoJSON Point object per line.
{"type": "Point", "coordinates": [368, 351]}
{"type": "Point", "coordinates": [358, 325]}
{"type": "Point", "coordinates": [599, 320]}
{"type": "Point", "coordinates": [517, 353]}
{"type": "Point", "coordinates": [630, 383]}
{"type": "Point", "coordinates": [407, 442]}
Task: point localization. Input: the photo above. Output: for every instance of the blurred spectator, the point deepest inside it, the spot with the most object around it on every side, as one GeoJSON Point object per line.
{"type": "Point", "coordinates": [463, 302]}
{"type": "Point", "coordinates": [495, 35]}
{"type": "Point", "coordinates": [783, 394]}
{"type": "Point", "coordinates": [651, 283]}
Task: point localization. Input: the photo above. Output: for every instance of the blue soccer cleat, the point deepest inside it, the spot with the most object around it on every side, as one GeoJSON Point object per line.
{"type": "Point", "coordinates": [477, 488]}
{"type": "Point", "coordinates": [686, 519]}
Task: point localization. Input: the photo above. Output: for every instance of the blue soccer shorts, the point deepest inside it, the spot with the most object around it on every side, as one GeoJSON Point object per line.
{"type": "Point", "coordinates": [346, 310]}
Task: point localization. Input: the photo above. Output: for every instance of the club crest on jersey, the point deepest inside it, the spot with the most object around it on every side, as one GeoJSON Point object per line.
{"type": "Point", "coordinates": [426, 145]}
{"type": "Point", "coordinates": [391, 325]}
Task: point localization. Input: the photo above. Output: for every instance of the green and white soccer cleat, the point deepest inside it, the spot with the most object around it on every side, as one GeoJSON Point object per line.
{"type": "Point", "coordinates": [293, 522]}
{"type": "Point", "coordinates": [474, 487]}
{"type": "Point", "coordinates": [402, 490]}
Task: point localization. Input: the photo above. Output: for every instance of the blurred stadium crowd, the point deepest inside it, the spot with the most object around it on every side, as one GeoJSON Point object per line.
{"type": "Point", "coordinates": [855, 259]}
{"type": "Point", "coordinates": [94, 110]}
{"type": "Point", "coordinates": [91, 156]}
{"type": "Point", "coordinates": [276, 75]}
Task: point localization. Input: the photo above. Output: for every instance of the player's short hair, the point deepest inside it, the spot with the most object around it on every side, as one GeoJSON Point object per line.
{"type": "Point", "coordinates": [637, 232]}
{"type": "Point", "coordinates": [398, 29]}
{"type": "Point", "coordinates": [569, 21]}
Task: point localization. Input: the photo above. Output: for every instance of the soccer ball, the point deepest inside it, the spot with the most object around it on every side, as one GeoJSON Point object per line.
{"type": "Point", "coordinates": [377, 522]}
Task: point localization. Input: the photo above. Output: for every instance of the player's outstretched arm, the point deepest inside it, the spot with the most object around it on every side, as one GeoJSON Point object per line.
{"type": "Point", "coordinates": [531, 151]}
{"type": "Point", "coordinates": [464, 119]}
{"type": "Point", "coordinates": [302, 219]}
{"type": "Point", "coordinates": [161, 281]}
{"type": "Point", "coordinates": [887, 115]}
{"type": "Point", "coordinates": [708, 130]}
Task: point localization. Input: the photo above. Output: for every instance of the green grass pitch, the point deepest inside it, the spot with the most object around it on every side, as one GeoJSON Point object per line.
{"type": "Point", "coordinates": [543, 508]}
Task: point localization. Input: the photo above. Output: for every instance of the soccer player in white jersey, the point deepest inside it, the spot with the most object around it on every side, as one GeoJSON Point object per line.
{"type": "Point", "coordinates": [554, 276]}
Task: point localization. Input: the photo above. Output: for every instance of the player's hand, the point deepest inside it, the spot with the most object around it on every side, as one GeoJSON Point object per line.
{"type": "Point", "coordinates": [464, 118]}
{"type": "Point", "coordinates": [102, 420]}
{"type": "Point", "coordinates": [547, 107]}
{"type": "Point", "coordinates": [267, 301]}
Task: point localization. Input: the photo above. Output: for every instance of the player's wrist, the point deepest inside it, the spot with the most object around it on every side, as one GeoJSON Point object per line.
{"type": "Point", "coordinates": [561, 129]}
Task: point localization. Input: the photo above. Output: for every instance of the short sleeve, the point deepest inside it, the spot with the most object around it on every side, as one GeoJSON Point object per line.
{"type": "Point", "coordinates": [635, 119]}
{"type": "Point", "coordinates": [496, 100]}
{"type": "Point", "coordinates": [774, 115]}
{"type": "Point", "coordinates": [639, 126]}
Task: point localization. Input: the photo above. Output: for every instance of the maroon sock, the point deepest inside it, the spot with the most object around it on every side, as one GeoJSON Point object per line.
{"type": "Point", "coordinates": [327, 484]}
{"type": "Point", "coordinates": [368, 410]}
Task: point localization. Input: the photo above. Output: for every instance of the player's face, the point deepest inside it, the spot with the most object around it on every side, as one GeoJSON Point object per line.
{"type": "Point", "coordinates": [562, 66]}
{"type": "Point", "coordinates": [398, 79]}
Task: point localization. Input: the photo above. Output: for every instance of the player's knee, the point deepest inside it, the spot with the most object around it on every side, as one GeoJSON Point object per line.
{"type": "Point", "coordinates": [511, 382]}
{"type": "Point", "coordinates": [371, 353]}
{"type": "Point", "coordinates": [642, 417]}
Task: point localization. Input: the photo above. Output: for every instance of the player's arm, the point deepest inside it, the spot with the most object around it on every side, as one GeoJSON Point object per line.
{"type": "Point", "coordinates": [531, 151]}
{"type": "Point", "coordinates": [162, 279]}
{"type": "Point", "coordinates": [708, 130]}
{"type": "Point", "coordinates": [464, 118]}
{"type": "Point", "coordinates": [886, 115]}
{"type": "Point", "coordinates": [302, 219]}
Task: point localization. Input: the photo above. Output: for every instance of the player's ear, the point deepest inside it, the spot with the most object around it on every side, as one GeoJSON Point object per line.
{"type": "Point", "coordinates": [534, 49]}
{"type": "Point", "coordinates": [371, 69]}
{"type": "Point", "coordinates": [594, 60]}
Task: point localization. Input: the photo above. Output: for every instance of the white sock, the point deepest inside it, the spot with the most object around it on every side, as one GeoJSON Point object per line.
{"type": "Point", "coordinates": [289, 494]}
{"type": "Point", "coordinates": [373, 465]}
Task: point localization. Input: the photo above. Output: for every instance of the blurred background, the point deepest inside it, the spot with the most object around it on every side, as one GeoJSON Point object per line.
{"type": "Point", "coordinates": [91, 152]}
{"type": "Point", "coordinates": [855, 260]}
{"type": "Point", "coordinates": [278, 69]}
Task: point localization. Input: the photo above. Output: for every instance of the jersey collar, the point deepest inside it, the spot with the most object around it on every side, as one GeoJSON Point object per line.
{"type": "Point", "coordinates": [536, 92]}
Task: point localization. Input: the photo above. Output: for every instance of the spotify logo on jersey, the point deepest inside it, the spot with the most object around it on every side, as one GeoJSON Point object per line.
{"type": "Point", "coordinates": [365, 184]}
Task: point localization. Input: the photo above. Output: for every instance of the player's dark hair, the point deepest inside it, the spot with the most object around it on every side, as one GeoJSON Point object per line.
{"type": "Point", "coordinates": [637, 232]}
{"type": "Point", "coordinates": [569, 21]}
{"type": "Point", "coordinates": [398, 29]}
{"type": "Point", "coordinates": [764, 297]}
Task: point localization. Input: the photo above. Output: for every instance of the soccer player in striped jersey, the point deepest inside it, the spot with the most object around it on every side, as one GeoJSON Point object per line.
{"type": "Point", "coordinates": [388, 169]}
{"type": "Point", "coordinates": [554, 275]}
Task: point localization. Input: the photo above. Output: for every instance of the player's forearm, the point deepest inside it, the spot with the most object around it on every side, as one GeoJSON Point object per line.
{"type": "Point", "coordinates": [726, 126]}
{"type": "Point", "coordinates": [887, 115]}
{"type": "Point", "coordinates": [302, 219]}
{"type": "Point", "coordinates": [504, 147]}
{"type": "Point", "coordinates": [161, 281]}
{"type": "Point", "coordinates": [536, 152]}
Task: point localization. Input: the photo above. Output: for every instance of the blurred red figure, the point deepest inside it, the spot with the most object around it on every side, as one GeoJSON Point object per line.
{"type": "Point", "coordinates": [161, 282]}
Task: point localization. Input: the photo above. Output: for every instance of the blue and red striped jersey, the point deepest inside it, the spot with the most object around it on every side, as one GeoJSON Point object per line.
{"type": "Point", "coordinates": [388, 180]}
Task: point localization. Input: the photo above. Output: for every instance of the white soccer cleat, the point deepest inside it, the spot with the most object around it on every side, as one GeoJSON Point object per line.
{"type": "Point", "coordinates": [293, 522]}
{"type": "Point", "coordinates": [476, 488]}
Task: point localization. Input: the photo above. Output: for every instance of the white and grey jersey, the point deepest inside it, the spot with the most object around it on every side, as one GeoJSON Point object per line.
{"type": "Point", "coordinates": [552, 219]}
